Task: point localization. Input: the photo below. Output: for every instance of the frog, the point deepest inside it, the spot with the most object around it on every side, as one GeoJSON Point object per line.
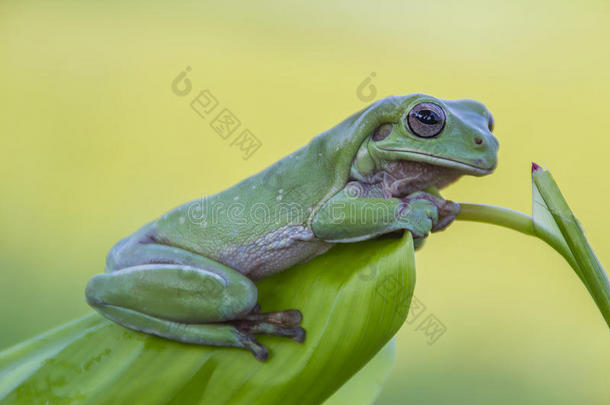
{"type": "Point", "coordinates": [190, 276]}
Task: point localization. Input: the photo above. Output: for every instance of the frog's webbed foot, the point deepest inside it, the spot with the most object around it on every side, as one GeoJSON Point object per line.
{"type": "Point", "coordinates": [446, 210]}
{"type": "Point", "coordinates": [280, 323]}
{"type": "Point", "coordinates": [289, 317]}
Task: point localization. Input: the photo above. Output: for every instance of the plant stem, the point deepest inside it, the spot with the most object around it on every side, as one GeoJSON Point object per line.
{"type": "Point", "coordinates": [577, 251]}
{"type": "Point", "coordinates": [495, 215]}
{"type": "Point", "coordinates": [518, 221]}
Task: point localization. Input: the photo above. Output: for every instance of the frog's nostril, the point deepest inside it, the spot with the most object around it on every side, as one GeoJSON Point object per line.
{"type": "Point", "coordinates": [478, 140]}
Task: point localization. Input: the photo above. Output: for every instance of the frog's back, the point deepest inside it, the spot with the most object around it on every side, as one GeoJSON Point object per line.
{"type": "Point", "coordinates": [262, 224]}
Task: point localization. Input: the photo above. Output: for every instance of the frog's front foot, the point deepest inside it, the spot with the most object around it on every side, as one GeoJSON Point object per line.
{"type": "Point", "coordinates": [447, 211]}
{"type": "Point", "coordinates": [280, 323]}
{"type": "Point", "coordinates": [425, 213]}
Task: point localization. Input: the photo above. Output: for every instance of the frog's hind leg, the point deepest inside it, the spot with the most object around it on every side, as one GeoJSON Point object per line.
{"type": "Point", "coordinates": [213, 334]}
{"type": "Point", "coordinates": [189, 304]}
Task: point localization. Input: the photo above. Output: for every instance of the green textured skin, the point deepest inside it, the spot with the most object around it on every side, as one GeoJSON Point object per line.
{"type": "Point", "coordinates": [194, 265]}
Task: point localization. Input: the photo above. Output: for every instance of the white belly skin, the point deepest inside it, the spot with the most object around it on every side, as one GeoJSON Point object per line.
{"type": "Point", "coordinates": [274, 252]}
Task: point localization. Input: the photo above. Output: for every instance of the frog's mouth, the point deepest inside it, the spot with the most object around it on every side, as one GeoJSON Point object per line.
{"type": "Point", "coordinates": [460, 166]}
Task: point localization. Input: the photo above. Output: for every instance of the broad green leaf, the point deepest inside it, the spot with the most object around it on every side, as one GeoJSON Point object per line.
{"type": "Point", "coordinates": [365, 386]}
{"type": "Point", "coordinates": [353, 298]}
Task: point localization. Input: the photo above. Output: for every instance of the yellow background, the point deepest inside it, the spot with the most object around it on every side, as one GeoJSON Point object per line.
{"type": "Point", "coordinates": [94, 144]}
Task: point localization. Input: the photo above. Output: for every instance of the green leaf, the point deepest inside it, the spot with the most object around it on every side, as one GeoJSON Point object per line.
{"type": "Point", "coordinates": [364, 387]}
{"type": "Point", "coordinates": [546, 228]}
{"type": "Point", "coordinates": [353, 298]}
{"type": "Point", "coordinates": [552, 207]}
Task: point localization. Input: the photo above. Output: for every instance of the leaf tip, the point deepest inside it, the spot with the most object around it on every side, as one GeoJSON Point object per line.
{"type": "Point", "coordinates": [535, 167]}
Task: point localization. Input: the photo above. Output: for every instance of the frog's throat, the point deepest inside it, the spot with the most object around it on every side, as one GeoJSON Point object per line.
{"type": "Point", "coordinates": [401, 177]}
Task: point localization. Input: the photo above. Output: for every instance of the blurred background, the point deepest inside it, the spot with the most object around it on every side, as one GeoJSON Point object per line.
{"type": "Point", "coordinates": [94, 144]}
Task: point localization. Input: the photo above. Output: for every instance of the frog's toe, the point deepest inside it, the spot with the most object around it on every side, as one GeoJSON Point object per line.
{"type": "Point", "coordinates": [295, 333]}
{"type": "Point", "coordinates": [289, 317]}
{"type": "Point", "coordinates": [299, 334]}
{"type": "Point", "coordinates": [443, 223]}
{"type": "Point", "coordinates": [247, 341]}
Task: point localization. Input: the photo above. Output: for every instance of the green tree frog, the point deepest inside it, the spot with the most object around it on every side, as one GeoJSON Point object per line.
{"type": "Point", "coordinates": [190, 275]}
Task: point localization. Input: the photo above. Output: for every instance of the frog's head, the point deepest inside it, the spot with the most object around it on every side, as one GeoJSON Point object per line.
{"type": "Point", "coordinates": [428, 140]}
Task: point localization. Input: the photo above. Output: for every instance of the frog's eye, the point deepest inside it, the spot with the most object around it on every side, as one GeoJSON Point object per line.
{"type": "Point", "coordinates": [426, 120]}
{"type": "Point", "coordinates": [382, 132]}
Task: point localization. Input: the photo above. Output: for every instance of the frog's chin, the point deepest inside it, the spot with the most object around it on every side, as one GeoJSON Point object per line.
{"type": "Point", "coordinates": [462, 167]}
